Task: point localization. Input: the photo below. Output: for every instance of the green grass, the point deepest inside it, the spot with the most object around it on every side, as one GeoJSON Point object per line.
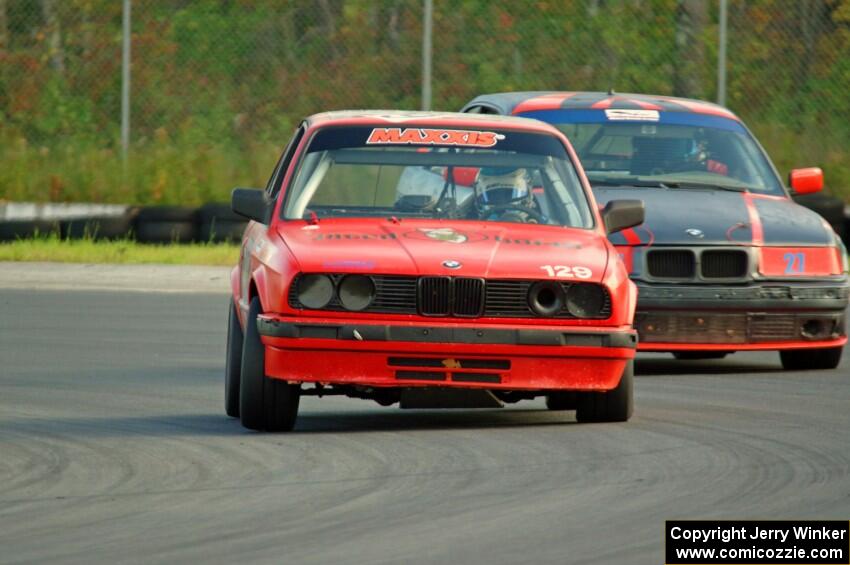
{"type": "Point", "coordinates": [53, 248]}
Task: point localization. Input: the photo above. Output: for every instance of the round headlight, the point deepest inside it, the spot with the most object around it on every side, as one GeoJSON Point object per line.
{"type": "Point", "coordinates": [356, 292]}
{"type": "Point", "coordinates": [585, 300]}
{"type": "Point", "coordinates": [546, 298]}
{"type": "Point", "coordinates": [315, 291]}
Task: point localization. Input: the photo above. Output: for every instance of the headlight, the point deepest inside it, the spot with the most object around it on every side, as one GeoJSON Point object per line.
{"type": "Point", "coordinates": [315, 291]}
{"type": "Point", "coordinates": [356, 292]}
{"type": "Point", "coordinates": [585, 300]}
{"type": "Point", "coordinates": [546, 298]}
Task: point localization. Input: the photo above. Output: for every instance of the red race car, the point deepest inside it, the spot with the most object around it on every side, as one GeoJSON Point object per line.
{"type": "Point", "coordinates": [435, 260]}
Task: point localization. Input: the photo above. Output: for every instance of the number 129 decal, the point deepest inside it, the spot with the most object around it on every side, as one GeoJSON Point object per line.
{"type": "Point", "coordinates": [567, 272]}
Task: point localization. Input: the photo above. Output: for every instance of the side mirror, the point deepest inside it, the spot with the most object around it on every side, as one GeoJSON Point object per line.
{"type": "Point", "coordinates": [806, 181]}
{"type": "Point", "coordinates": [621, 214]}
{"type": "Point", "coordinates": [251, 203]}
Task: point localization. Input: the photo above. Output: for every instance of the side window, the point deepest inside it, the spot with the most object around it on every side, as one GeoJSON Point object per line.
{"type": "Point", "coordinates": [480, 110]}
{"type": "Point", "coordinates": [273, 186]}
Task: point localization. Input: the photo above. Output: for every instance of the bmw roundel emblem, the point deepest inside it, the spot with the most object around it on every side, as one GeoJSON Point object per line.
{"type": "Point", "coordinates": [451, 264]}
{"type": "Point", "coordinates": [693, 232]}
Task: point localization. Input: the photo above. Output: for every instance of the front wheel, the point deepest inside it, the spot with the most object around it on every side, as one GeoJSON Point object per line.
{"type": "Point", "coordinates": [611, 406]}
{"type": "Point", "coordinates": [264, 403]}
{"type": "Point", "coordinates": [801, 359]}
{"type": "Point", "coordinates": [233, 363]}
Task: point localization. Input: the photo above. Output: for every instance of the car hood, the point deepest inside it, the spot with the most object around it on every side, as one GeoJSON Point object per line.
{"type": "Point", "coordinates": [418, 247]}
{"type": "Point", "coordinates": [717, 217]}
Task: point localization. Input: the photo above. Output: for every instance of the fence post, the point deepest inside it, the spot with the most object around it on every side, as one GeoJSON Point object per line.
{"type": "Point", "coordinates": [721, 55]}
{"type": "Point", "coordinates": [125, 81]}
{"type": "Point", "coordinates": [427, 24]}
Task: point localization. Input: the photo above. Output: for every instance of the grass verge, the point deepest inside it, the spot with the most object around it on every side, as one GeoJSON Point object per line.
{"type": "Point", "coordinates": [53, 248]}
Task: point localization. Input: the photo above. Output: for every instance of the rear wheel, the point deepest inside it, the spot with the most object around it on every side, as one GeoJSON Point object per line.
{"type": "Point", "coordinates": [612, 406]}
{"type": "Point", "coordinates": [264, 403]}
{"type": "Point", "coordinates": [699, 355]}
{"type": "Point", "coordinates": [800, 359]}
{"type": "Point", "coordinates": [233, 363]}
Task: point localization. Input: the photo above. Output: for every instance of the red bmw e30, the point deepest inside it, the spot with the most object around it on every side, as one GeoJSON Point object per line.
{"type": "Point", "coordinates": [429, 259]}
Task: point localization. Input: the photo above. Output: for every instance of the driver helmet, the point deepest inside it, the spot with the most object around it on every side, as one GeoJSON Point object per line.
{"type": "Point", "coordinates": [499, 186]}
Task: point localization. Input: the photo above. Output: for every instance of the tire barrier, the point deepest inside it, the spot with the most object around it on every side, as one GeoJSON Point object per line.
{"type": "Point", "coordinates": [217, 222]}
{"type": "Point", "coordinates": [214, 223]}
{"type": "Point", "coordinates": [98, 227]}
{"type": "Point", "coordinates": [166, 224]}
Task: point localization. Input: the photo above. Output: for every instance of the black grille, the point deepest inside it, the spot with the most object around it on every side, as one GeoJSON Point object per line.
{"type": "Point", "coordinates": [394, 295]}
{"type": "Point", "coordinates": [508, 299]}
{"type": "Point", "coordinates": [678, 264]}
{"type": "Point", "coordinates": [724, 264]}
{"type": "Point", "coordinates": [468, 297]}
{"type": "Point", "coordinates": [435, 296]}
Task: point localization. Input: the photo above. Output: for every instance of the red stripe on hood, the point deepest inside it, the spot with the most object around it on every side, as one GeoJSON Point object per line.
{"type": "Point", "coordinates": [545, 102]}
{"type": "Point", "coordinates": [755, 220]}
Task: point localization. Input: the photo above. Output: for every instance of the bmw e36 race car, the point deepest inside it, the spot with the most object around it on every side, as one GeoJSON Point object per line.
{"type": "Point", "coordinates": [434, 260]}
{"type": "Point", "coordinates": [725, 261]}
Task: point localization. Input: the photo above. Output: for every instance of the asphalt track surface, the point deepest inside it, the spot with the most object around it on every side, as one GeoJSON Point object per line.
{"type": "Point", "coordinates": [114, 448]}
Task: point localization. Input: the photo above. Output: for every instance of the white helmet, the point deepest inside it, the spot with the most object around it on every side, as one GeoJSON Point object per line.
{"type": "Point", "coordinates": [498, 186]}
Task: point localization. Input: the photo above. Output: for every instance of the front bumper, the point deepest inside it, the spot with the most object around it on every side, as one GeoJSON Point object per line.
{"type": "Point", "coordinates": [758, 316]}
{"type": "Point", "coordinates": [404, 354]}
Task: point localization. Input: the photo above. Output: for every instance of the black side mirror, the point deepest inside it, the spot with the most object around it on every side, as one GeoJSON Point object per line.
{"type": "Point", "coordinates": [251, 203]}
{"type": "Point", "coordinates": [621, 214]}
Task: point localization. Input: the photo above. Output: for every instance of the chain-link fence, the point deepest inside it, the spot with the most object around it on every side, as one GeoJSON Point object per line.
{"type": "Point", "coordinates": [218, 85]}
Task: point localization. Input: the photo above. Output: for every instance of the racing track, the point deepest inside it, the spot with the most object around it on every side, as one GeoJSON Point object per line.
{"type": "Point", "coordinates": [114, 447]}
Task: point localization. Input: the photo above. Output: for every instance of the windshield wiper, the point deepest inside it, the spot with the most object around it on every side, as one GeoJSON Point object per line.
{"type": "Point", "coordinates": [708, 185]}
{"type": "Point", "coordinates": [639, 183]}
{"type": "Point", "coordinates": [632, 181]}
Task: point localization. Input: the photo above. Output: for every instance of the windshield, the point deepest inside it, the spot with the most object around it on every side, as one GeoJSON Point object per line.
{"type": "Point", "coordinates": [428, 173]}
{"type": "Point", "coordinates": [675, 149]}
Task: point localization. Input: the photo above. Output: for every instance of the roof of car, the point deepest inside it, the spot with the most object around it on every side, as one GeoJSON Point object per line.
{"type": "Point", "coordinates": [400, 117]}
{"type": "Point", "coordinates": [517, 102]}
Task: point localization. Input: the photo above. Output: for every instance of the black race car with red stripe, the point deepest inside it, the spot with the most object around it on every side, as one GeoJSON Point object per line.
{"type": "Point", "coordinates": [725, 260]}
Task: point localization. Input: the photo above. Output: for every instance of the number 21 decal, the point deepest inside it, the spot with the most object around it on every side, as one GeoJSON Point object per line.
{"type": "Point", "coordinates": [795, 263]}
{"type": "Point", "coordinates": [567, 272]}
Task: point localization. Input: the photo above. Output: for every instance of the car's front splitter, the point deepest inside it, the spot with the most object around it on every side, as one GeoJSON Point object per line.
{"type": "Point", "coordinates": [461, 355]}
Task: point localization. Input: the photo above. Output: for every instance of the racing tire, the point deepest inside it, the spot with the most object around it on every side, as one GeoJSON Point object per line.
{"type": "Point", "coordinates": [264, 403]}
{"type": "Point", "coordinates": [218, 212]}
{"type": "Point", "coordinates": [233, 363]}
{"type": "Point", "coordinates": [110, 227]}
{"type": "Point", "coordinates": [166, 214]}
{"type": "Point", "coordinates": [218, 231]}
{"type": "Point", "coordinates": [802, 359]}
{"type": "Point", "coordinates": [615, 405]}
{"type": "Point", "coordinates": [165, 232]}
{"type": "Point", "coordinates": [699, 355]}
{"type": "Point", "coordinates": [561, 400]}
